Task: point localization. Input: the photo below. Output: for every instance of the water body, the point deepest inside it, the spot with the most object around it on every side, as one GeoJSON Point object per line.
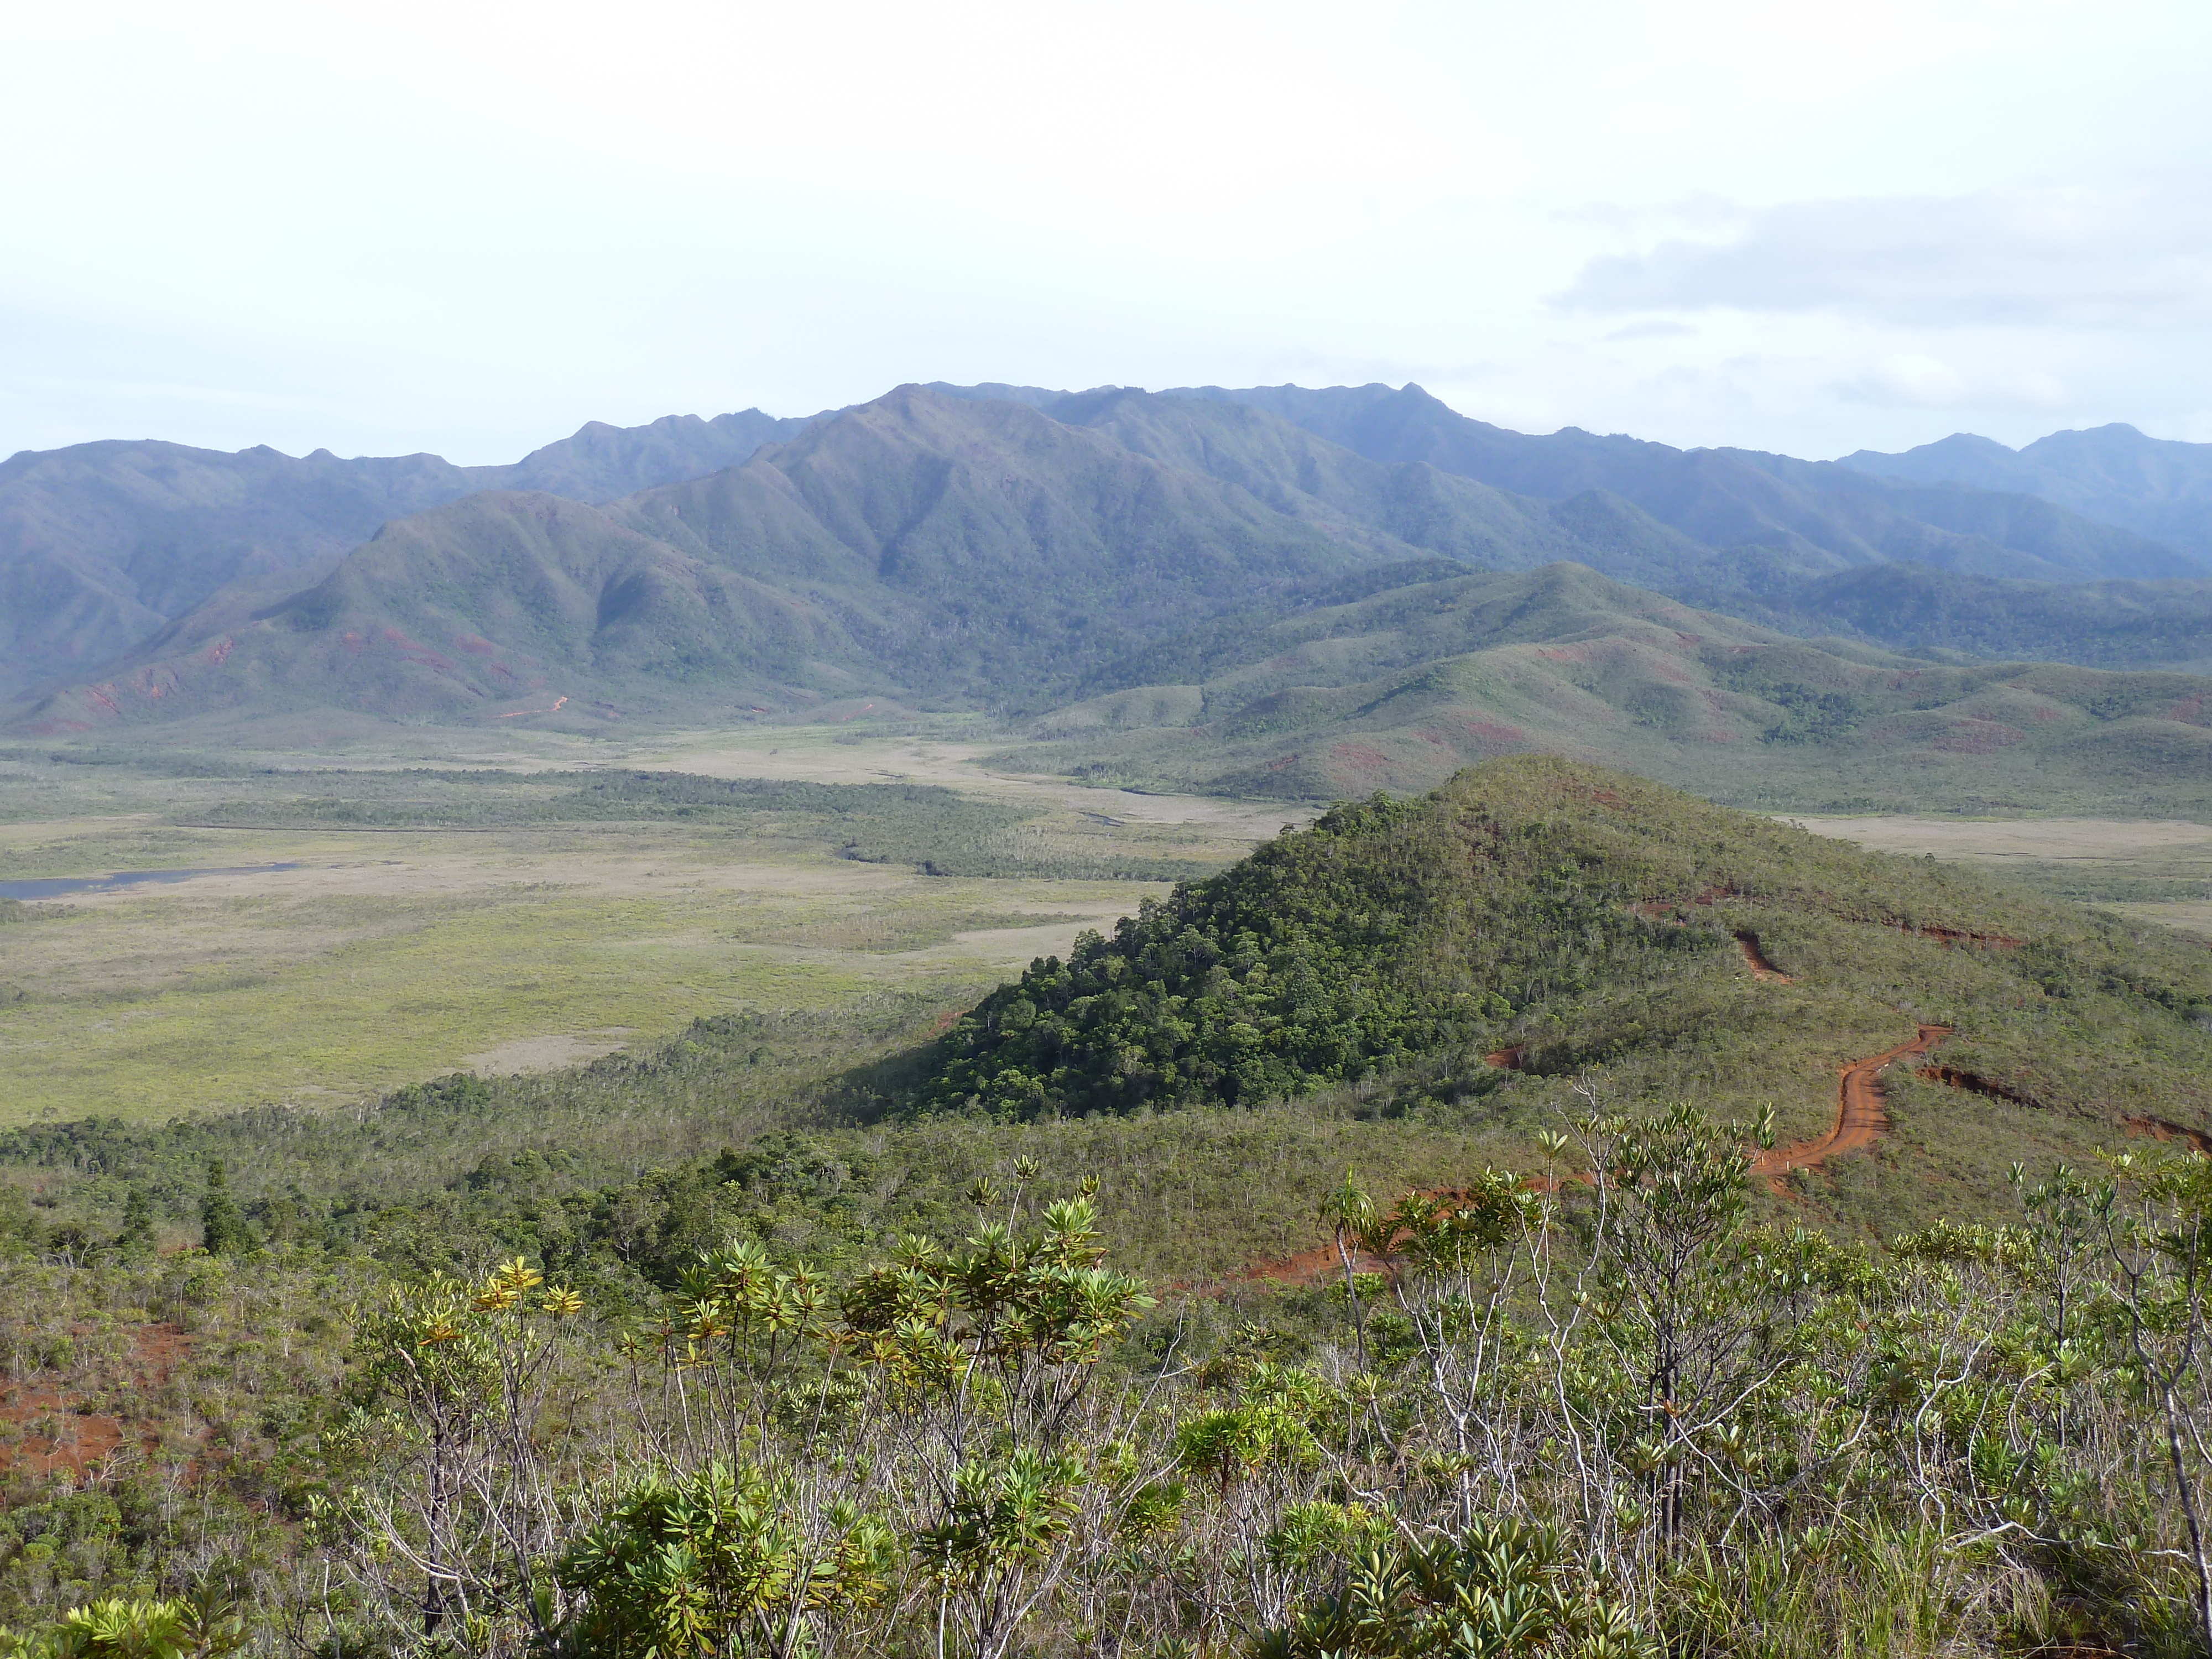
{"type": "Point", "coordinates": [60, 885]}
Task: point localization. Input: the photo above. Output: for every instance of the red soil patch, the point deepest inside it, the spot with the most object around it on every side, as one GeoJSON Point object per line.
{"type": "Point", "coordinates": [1974, 1083]}
{"type": "Point", "coordinates": [519, 713]}
{"type": "Point", "coordinates": [57, 1433]}
{"type": "Point", "coordinates": [1761, 968]}
{"type": "Point", "coordinates": [2157, 1128]}
{"type": "Point", "coordinates": [1303, 1268]}
{"type": "Point", "coordinates": [1948, 937]}
{"type": "Point", "coordinates": [1358, 757]}
{"type": "Point", "coordinates": [1493, 731]}
{"type": "Point", "coordinates": [1861, 1118]}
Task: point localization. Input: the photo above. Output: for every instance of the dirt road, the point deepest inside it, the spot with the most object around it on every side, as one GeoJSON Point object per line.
{"type": "Point", "coordinates": [1861, 1118]}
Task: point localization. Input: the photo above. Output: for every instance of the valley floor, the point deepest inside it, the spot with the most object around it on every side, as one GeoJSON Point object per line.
{"type": "Point", "coordinates": [382, 956]}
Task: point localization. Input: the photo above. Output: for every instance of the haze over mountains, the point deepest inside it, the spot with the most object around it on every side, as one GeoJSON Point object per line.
{"type": "Point", "coordinates": [1023, 549]}
{"type": "Point", "coordinates": [102, 544]}
{"type": "Point", "coordinates": [2156, 486]}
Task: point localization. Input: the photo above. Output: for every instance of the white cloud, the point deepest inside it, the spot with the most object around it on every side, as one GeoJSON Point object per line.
{"type": "Point", "coordinates": [1657, 329]}
{"type": "Point", "coordinates": [1911, 379]}
{"type": "Point", "coordinates": [2131, 258]}
{"type": "Point", "coordinates": [1906, 377]}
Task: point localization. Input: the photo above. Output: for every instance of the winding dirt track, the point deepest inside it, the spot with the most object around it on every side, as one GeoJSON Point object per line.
{"type": "Point", "coordinates": [1861, 1118]}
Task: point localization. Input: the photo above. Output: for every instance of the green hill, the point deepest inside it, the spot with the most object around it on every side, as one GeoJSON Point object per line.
{"type": "Point", "coordinates": [993, 545]}
{"type": "Point", "coordinates": [2104, 624]}
{"type": "Point", "coordinates": [1399, 689]}
{"type": "Point", "coordinates": [1583, 923]}
{"type": "Point", "coordinates": [956, 548]}
{"type": "Point", "coordinates": [922, 545]}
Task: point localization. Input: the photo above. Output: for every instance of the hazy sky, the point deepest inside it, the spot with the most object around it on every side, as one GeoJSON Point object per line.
{"type": "Point", "coordinates": [470, 228]}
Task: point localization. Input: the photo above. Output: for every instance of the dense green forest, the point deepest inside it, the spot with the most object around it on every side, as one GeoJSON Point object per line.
{"type": "Point", "coordinates": [1063, 1329]}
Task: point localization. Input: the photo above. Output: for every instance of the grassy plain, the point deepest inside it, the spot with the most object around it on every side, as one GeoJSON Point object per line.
{"type": "Point", "coordinates": [399, 951]}
{"type": "Point", "coordinates": [2150, 870]}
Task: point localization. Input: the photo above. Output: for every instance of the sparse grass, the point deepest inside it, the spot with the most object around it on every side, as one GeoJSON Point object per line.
{"type": "Point", "coordinates": [174, 1002]}
{"type": "Point", "coordinates": [403, 949]}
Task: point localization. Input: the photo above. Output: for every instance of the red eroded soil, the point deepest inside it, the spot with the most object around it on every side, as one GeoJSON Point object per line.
{"type": "Point", "coordinates": [2157, 1128]}
{"type": "Point", "coordinates": [1761, 968]}
{"type": "Point", "coordinates": [1974, 1083]}
{"type": "Point", "coordinates": [1860, 1113]}
{"type": "Point", "coordinates": [1303, 1268]}
{"type": "Point", "coordinates": [1948, 937]}
{"type": "Point", "coordinates": [50, 1428]}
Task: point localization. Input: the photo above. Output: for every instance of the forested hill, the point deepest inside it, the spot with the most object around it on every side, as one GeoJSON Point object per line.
{"type": "Point", "coordinates": [142, 580]}
{"type": "Point", "coordinates": [1565, 918]}
{"type": "Point", "coordinates": [1813, 516]}
{"type": "Point", "coordinates": [2158, 487]}
{"type": "Point", "coordinates": [1399, 688]}
{"type": "Point", "coordinates": [103, 544]}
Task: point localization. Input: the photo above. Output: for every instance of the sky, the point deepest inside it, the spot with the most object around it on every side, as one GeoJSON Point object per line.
{"type": "Point", "coordinates": [470, 228]}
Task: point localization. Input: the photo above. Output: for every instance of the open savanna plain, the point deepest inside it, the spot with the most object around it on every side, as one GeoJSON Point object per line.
{"type": "Point", "coordinates": [2151, 869]}
{"type": "Point", "coordinates": [355, 922]}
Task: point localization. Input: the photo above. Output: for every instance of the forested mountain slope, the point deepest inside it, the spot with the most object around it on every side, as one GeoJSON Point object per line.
{"type": "Point", "coordinates": [102, 544]}
{"type": "Point", "coordinates": [1821, 515]}
{"type": "Point", "coordinates": [116, 558]}
{"type": "Point", "coordinates": [920, 543]}
{"type": "Point", "coordinates": [2158, 487]}
{"type": "Point", "coordinates": [2103, 625]}
{"type": "Point", "coordinates": [1399, 688]}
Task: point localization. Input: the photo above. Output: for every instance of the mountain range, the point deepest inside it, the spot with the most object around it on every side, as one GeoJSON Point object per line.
{"type": "Point", "coordinates": [2158, 487]}
{"type": "Point", "coordinates": [104, 544]}
{"type": "Point", "coordinates": [1274, 590]}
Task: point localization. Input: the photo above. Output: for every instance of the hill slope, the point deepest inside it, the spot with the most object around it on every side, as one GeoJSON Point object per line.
{"type": "Point", "coordinates": [2156, 487]}
{"type": "Point", "coordinates": [1400, 687]}
{"type": "Point", "coordinates": [1563, 922]}
{"type": "Point", "coordinates": [103, 544]}
{"type": "Point", "coordinates": [1822, 516]}
{"type": "Point", "coordinates": [2103, 625]}
{"type": "Point", "coordinates": [920, 543]}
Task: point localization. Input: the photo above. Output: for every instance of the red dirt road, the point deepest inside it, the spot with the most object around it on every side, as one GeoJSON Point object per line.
{"type": "Point", "coordinates": [1861, 1118]}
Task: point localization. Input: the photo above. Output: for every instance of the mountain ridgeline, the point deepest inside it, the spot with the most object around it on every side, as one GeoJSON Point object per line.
{"type": "Point", "coordinates": [103, 545]}
{"type": "Point", "coordinates": [1277, 586]}
{"type": "Point", "coordinates": [2157, 487]}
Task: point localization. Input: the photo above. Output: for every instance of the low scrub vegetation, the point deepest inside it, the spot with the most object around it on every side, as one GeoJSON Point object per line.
{"type": "Point", "coordinates": [1061, 1327]}
{"type": "Point", "coordinates": [1589, 1409]}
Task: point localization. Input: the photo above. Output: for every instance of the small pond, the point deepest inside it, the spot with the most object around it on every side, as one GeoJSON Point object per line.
{"type": "Point", "coordinates": [57, 886]}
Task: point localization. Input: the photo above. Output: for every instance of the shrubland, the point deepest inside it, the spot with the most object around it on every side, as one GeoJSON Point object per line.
{"type": "Point", "coordinates": [829, 1332]}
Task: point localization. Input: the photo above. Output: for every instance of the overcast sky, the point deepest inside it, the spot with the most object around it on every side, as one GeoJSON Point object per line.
{"type": "Point", "coordinates": [470, 228]}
